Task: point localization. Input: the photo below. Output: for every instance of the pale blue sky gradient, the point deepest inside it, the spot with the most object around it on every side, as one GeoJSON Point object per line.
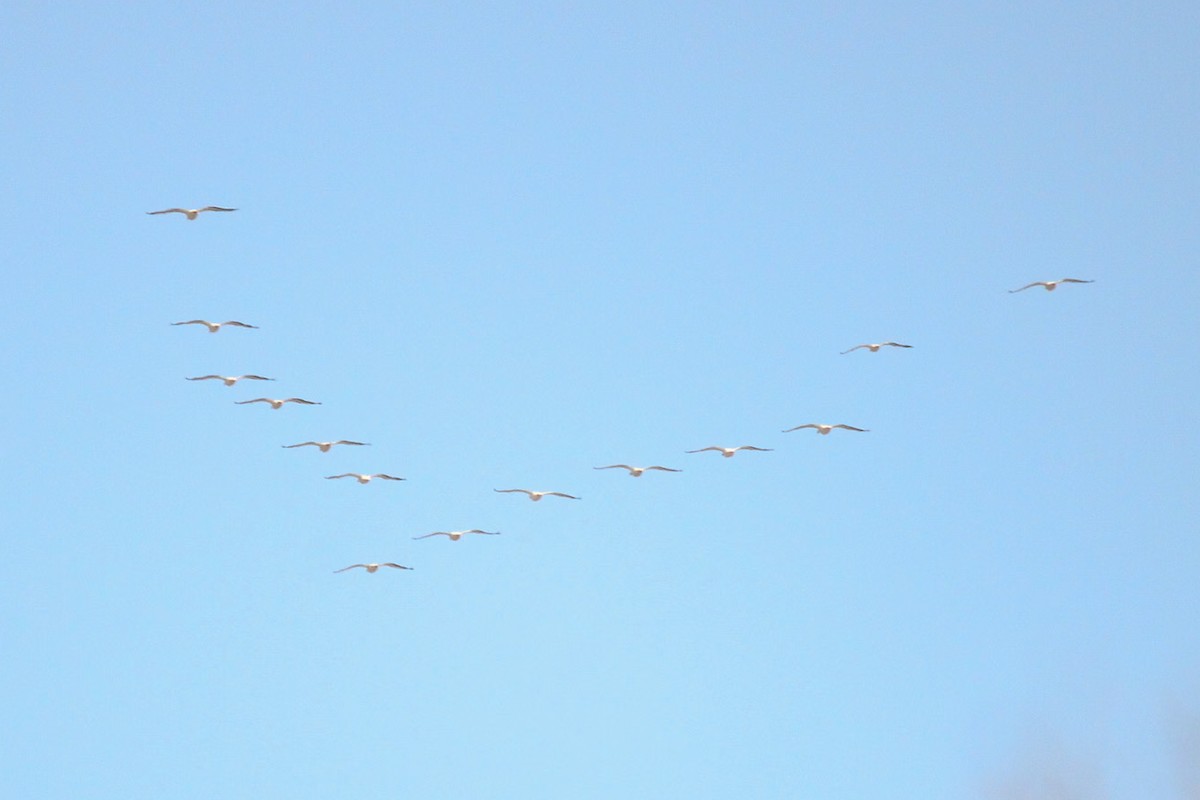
{"type": "Point", "coordinates": [507, 243]}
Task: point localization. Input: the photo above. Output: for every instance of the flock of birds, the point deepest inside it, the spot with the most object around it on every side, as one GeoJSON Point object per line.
{"type": "Point", "coordinates": [823, 429]}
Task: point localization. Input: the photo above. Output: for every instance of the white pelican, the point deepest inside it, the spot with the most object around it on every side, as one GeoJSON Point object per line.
{"type": "Point", "coordinates": [535, 496]}
{"type": "Point", "coordinates": [230, 380]}
{"type": "Point", "coordinates": [825, 429]}
{"type": "Point", "coordinates": [324, 446]}
{"type": "Point", "coordinates": [729, 451]}
{"type": "Point", "coordinates": [1050, 285]}
{"type": "Point", "coordinates": [636, 472]}
{"type": "Point", "coordinates": [364, 478]}
{"type": "Point", "coordinates": [874, 348]}
{"type": "Point", "coordinates": [213, 327]}
{"type": "Point", "coordinates": [371, 567]}
{"type": "Point", "coordinates": [456, 535]}
{"type": "Point", "coordinates": [190, 213]}
{"type": "Point", "coordinates": [277, 404]}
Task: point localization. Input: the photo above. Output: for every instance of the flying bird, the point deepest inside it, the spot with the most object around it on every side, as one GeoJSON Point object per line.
{"type": "Point", "coordinates": [230, 380]}
{"type": "Point", "coordinates": [213, 327]}
{"type": "Point", "coordinates": [371, 567]}
{"type": "Point", "coordinates": [277, 404]}
{"type": "Point", "coordinates": [190, 213]}
{"type": "Point", "coordinates": [535, 496]}
{"type": "Point", "coordinates": [1050, 285]}
{"type": "Point", "coordinates": [364, 478]}
{"type": "Point", "coordinates": [636, 472]}
{"type": "Point", "coordinates": [729, 451]}
{"type": "Point", "coordinates": [456, 535]}
{"type": "Point", "coordinates": [874, 348]}
{"type": "Point", "coordinates": [324, 446]}
{"type": "Point", "coordinates": [825, 429]}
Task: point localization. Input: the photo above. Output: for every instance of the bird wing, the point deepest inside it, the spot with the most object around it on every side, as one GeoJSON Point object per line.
{"type": "Point", "coordinates": [343, 475]}
{"type": "Point", "coordinates": [394, 565]}
{"type": "Point", "coordinates": [253, 378]}
{"type": "Point", "coordinates": [301, 400]}
{"type": "Point", "coordinates": [506, 491]}
{"type": "Point", "coordinates": [215, 208]}
{"type": "Point", "coordinates": [193, 322]}
{"type": "Point", "coordinates": [664, 469]}
{"type": "Point", "coordinates": [387, 477]}
{"type": "Point", "coordinates": [485, 533]}
{"type": "Point", "coordinates": [301, 444]}
{"type": "Point", "coordinates": [169, 211]}
{"type": "Point", "coordinates": [851, 428]}
{"type": "Point", "coordinates": [799, 427]}
{"type": "Point", "coordinates": [615, 466]}
{"type": "Point", "coordinates": [237, 324]}
{"type": "Point", "coordinates": [207, 378]}
{"type": "Point", "coordinates": [255, 400]}
{"type": "Point", "coordinates": [703, 449]}
{"type": "Point", "coordinates": [562, 494]}
{"type": "Point", "coordinates": [856, 347]}
{"type": "Point", "coordinates": [1073, 280]}
{"type": "Point", "coordinates": [435, 533]}
{"type": "Point", "coordinates": [752, 447]}
{"type": "Point", "coordinates": [344, 441]}
{"type": "Point", "coordinates": [1027, 286]}
{"type": "Point", "coordinates": [897, 344]}
{"type": "Point", "coordinates": [352, 566]}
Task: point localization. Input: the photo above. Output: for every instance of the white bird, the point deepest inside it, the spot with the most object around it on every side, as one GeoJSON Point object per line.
{"type": "Point", "coordinates": [372, 567]}
{"type": "Point", "coordinates": [456, 535]}
{"type": "Point", "coordinates": [535, 496]}
{"type": "Point", "coordinates": [230, 380]}
{"type": "Point", "coordinates": [825, 429]}
{"type": "Point", "coordinates": [277, 404]}
{"type": "Point", "coordinates": [729, 451]}
{"type": "Point", "coordinates": [874, 348]}
{"type": "Point", "coordinates": [213, 327]}
{"type": "Point", "coordinates": [1050, 285]}
{"type": "Point", "coordinates": [190, 213]}
{"type": "Point", "coordinates": [364, 478]}
{"type": "Point", "coordinates": [324, 446]}
{"type": "Point", "coordinates": [636, 472]}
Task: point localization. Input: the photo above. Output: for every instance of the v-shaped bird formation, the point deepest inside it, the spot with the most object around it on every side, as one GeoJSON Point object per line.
{"type": "Point", "coordinates": [821, 428]}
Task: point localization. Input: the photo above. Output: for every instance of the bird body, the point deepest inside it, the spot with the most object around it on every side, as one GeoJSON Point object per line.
{"type": "Point", "coordinates": [874, 348]}
{"type": "Point", "coordinates": [1050, 286]}
{"type": "Point", "coordinates": [277, 404]}
{"type": "Point", "coordinates": [364, 478]}
{"type": "Point", "coordinates": [230, 380]}
{"type": "Point", "coordinates": [190, 213]}
{"type": "Point", "coordinates": [728, 452]}
{"type": "Point", "coordinates": [213, 327]}
{"type": "Point", "coordinates": [454, 536]}
{"type": "Point", "coordinates": [372, 567]}
{"type": "Point", "coordinates": [825, 429]}
{"type": "Point", "coordinates": [536, 496]}
{"type": "Point", "coordinates": [636, 472]}
{"type": "Point", "coordinates": [324, 447]}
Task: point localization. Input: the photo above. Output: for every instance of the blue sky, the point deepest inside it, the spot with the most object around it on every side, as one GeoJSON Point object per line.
{"type": "Point", "coordinates": [507, 243]}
